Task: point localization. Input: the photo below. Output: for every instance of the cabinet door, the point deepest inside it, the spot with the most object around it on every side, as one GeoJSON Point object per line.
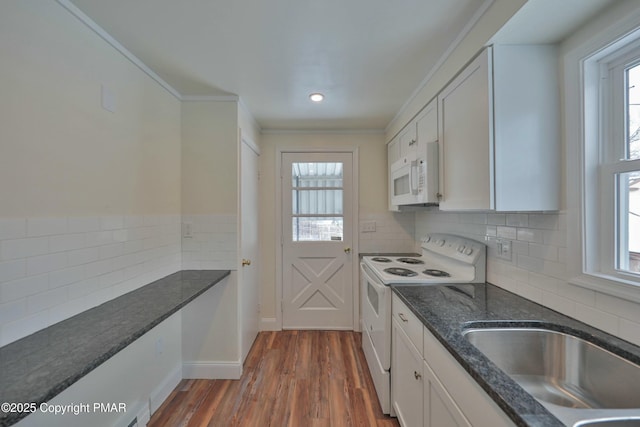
{"type": "Point", "coordinates": [466, 136]}
{"type": "Point", "coordinates": [393, 155]}
{"type": "Point", "coordinates": [406, 379]}
{"type": "Point", "coordinates": [408, 141]}
{"type": "Point", "coordinates": [439, 408]}
{"type": "Point", "coordinates": [458, 393]}
{"type": "Point", "coordinates": [427, 126]}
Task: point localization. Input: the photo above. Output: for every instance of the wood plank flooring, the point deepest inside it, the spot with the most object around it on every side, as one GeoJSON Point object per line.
{"type": "Point", "coordinates": [291, 378]}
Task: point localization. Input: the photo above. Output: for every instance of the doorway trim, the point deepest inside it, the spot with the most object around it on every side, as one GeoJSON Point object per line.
{"type": "Point", "coordinates": [280, 150]}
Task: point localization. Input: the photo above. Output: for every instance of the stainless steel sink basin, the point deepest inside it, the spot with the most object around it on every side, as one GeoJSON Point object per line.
{"type": "Point", "coordinates": [561, 369]}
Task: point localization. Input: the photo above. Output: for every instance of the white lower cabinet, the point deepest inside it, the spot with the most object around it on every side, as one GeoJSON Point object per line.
{"type": "Point", "coordinates": [428, 386]}
{"type": "Point", "coordinates": [406, 379]}
{"type": "Point", "coordinates": [418, 397]}
{"type": "Point", "coordinates": [439, 408]}
{"type": "Point", "coordinates": [470, 404]}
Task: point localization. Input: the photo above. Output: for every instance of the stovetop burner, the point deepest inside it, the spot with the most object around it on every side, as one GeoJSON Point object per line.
{"type": "Point", "coordinates": [380, 259]}
{"type": "Point", "coordinates": [412, 261]}
{"type": "Point", "coordinates": [436, 273]}
{"type": "Point", "coordinates": [400, 272]}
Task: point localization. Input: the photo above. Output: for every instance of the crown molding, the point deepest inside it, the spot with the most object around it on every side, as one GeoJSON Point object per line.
{"type": "Point", "coordinates": [91, 24]}
{"type": "Point", "coordinates": [210, 98]}
{"type": "Point", "coordinates": [322, 131]}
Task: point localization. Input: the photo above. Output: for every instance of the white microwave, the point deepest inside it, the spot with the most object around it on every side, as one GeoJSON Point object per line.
{"type": "Point", "coordinates": [414, 181]}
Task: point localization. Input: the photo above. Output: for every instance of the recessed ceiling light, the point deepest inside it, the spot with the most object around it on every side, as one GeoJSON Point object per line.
{"type": "Point", "coordinates": [316, 97]}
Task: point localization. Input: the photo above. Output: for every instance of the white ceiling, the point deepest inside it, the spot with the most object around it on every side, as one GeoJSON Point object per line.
{"type": "Point", "coordinates": [366, 56]}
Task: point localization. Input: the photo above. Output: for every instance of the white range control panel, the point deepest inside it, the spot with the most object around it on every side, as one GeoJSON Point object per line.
{"type": "Point", "coordinates": [456, 247]}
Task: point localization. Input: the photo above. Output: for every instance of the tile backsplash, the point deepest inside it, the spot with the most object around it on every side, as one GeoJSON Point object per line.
{"type": "Point", "coordinates": [536, 269]}
{"type": "Point", "coordinates": [54, 268]}
{"type": "Point", "coordinates": [212, 243]}
{"type": "Point", "coordinates": [394, 232]}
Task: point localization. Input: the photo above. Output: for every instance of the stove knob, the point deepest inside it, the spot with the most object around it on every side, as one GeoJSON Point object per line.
{"type": "Point", "coordinates": [468, 251]}
{"type": "Point", "coordinates": [426, 239]}
{"type": "Point", "coordinates": [460, 248]}
{"type": "Point", "coordinates": [440, 242]}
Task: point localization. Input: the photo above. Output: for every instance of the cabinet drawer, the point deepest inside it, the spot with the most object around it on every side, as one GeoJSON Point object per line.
{"type": "Point", "coordinates": [408, 322]}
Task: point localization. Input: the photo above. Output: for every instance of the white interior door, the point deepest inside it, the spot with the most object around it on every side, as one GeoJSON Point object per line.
{"type": "Point", "coordinates": [317, 207]}
{"type": "Point", "coordinates": [248, 278]}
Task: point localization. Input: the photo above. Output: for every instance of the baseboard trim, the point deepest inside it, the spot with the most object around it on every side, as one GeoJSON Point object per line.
{"type": "Point", "coordinates": [212, 370]}
{"type": "Point", "coordinates": [269, 324]}
{"type": "Point", "coordinates": [144, 416]}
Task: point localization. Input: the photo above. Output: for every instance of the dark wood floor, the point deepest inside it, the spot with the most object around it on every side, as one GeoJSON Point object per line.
{"type": "Point", "coordinates": [291, 378]}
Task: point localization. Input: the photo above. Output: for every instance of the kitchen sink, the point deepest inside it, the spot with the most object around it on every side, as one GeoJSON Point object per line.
{"type": "Point", "coordinates": [581, 383]}
{"type": "Point", "coordinates": [559, 368]}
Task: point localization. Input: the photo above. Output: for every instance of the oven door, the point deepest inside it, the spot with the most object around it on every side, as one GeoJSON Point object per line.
{"type": "Point", "coordinates": [376, 315]}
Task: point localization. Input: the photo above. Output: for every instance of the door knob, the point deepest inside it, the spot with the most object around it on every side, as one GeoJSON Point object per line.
{"type": "Point", "coordinates": [347, 250]}
{"type": "Point", "coordinates": [246, 262]}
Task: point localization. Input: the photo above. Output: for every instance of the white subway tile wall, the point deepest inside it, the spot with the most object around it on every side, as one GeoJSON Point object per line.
{"type": "Point", "coordinates": [537, 269]}
{"type": "Point", "coordinates": [394, 233]}
{"type": "Point", "coordinates": [54, 268]}
{"type": "Point", "coordinates": [213, 242]}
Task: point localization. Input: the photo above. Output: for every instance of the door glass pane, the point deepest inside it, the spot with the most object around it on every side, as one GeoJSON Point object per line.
{"type": "Point", "coordinates": [318, 174]}
{"type": "Point", "coordinates": [317, 202]}
{"type": "Point", "coordinates": [633, 113]}
{"type": "Point", "coordinates": [307, 229]}
{"type": "Point", "coordinates": [629, 221]}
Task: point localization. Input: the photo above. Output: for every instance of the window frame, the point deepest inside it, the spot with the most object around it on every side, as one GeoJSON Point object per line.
{"type": "Point", "coordinates": [613, 162]}
{"type": "Point", "coordinates": [591, 230]}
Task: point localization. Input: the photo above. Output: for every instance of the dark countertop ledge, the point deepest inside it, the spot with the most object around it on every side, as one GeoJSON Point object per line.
{"type": "Point", "coordinates": [446, 310]}
{"type": "Point", "coordinates": [38, 367]}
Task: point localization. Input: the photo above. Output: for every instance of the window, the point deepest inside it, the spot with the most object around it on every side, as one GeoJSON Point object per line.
{"type": "Point", "coordinates": [620, 164]}
{"type": "Point", "coordinates": [317, 193]}
{"type": "Point", "coordinates": [629, 182]}
{"type": "Point", "coordinates": [602, 113]}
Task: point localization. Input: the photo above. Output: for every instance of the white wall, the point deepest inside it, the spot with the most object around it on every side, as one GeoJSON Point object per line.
{"type": "Point", "coordinates": [211, 132]}
{"type": "Point", "coordinates": [90, 199]}
{"type": "Point", "coordinates": [209, 157]}
{"type": "Point", "coordinates": [210, 338]}
{"type": "Point", "coordinates": [209, 184]}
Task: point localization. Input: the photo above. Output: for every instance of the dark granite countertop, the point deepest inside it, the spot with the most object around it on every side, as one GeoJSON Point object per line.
{"type": "Point", "coordinates": [40, 366]}
{"type": "Point", "coordinates": [448, 309]}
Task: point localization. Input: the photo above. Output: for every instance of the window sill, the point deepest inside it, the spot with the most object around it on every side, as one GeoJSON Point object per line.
{"type": "Point", "coordinates": [608, 284]}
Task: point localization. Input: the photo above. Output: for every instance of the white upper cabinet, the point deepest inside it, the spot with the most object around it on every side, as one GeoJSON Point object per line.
{"type": "Point", "coordinates": [408, 140]}
{"type": "Point", "coordinates": [393, 155]}
{"type": "Point", "coordinates": [499, 132]}
{"type": "Point", "coordinates": [413, 161]}
{"type": "Point", "coordinates": [427, 126]}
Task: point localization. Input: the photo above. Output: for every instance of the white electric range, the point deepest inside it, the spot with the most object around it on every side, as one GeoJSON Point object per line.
{"type": "Point", "coordinates": [445, 258]}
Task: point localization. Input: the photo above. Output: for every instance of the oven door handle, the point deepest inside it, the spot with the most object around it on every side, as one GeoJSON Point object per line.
{"type": "Point", "coordinates": [379, 287]}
